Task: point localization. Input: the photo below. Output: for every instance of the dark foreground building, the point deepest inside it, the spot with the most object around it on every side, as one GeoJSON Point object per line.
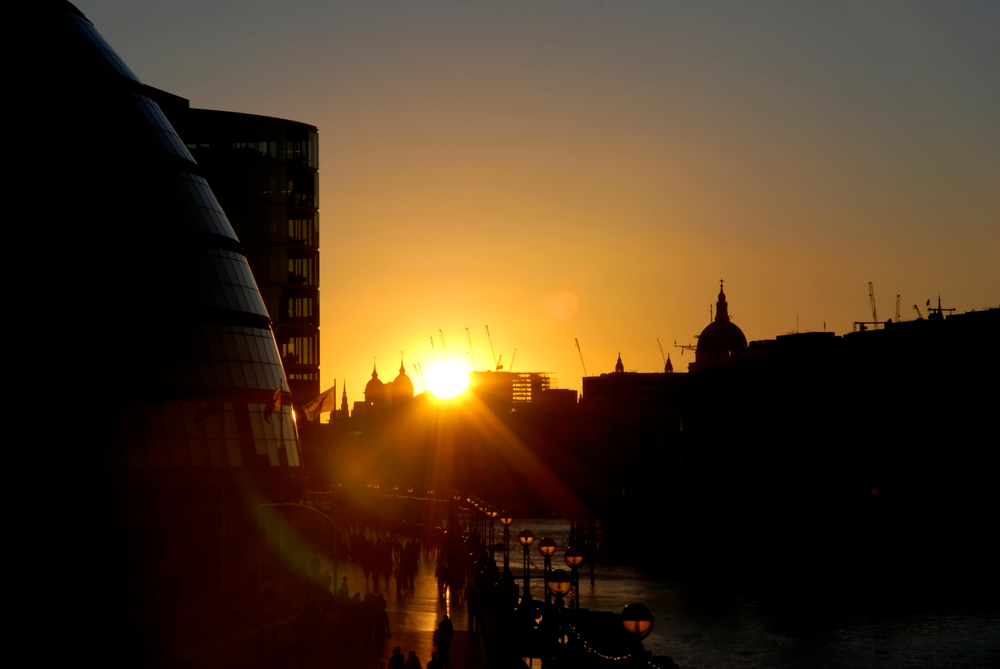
{"type": "Point", "coordinates": [175, 421]}
{"type": "Point", "coordinates": [264, 172]}
{"type": "Point", "coordinates": [865, 455]}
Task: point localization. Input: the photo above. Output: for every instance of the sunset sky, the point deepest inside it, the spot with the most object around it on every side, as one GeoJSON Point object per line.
{"type": "Point", "coordinates": [590, 170]}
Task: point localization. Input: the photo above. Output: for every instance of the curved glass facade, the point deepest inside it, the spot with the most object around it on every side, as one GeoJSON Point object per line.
{"type": "Point", "coordinates": [265, 172]}
{"type": "Point", "coordinates": [183, 335]}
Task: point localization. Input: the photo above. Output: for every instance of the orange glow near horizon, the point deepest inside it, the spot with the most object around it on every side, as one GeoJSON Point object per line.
{"type": "Point", "coordinates": [589, 171]}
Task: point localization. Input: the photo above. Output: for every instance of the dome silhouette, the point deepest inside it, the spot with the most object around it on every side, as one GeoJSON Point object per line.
{"type": "Point", "coordinates": [402, 386]}
{"type": "Point", "coordinates": [374, 389]}
{"type": "Point", "coordinates": [720, 340]}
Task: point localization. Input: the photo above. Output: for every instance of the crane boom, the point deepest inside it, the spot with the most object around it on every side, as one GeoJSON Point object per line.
{"type": "Point", "coordinates": [871, 296]}
{"type": "Point", "coordinates": [510, 367]}
{"type": "Point", "coordinates": [434, 354]}
{"type": "Point", "coordinates": [443, 346]}
{"type": "Point", "coordinates": [919, 315]}
{"type": "Point", "coordinates": [496, 363]}
{"type": "Point", "coordinates": [582, 363]}
{"type": "Point", "coordinates": [661, 351]}
{"type": "Point", "coordinates": [472, 356]}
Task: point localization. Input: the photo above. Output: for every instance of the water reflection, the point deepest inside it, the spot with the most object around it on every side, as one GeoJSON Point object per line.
{"type": "Point", "coordinates": [699, 626]}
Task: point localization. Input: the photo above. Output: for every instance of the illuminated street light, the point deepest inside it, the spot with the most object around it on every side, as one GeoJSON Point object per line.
{"type": "Point", "coordinates": [637, 620]}
{"type": "Point", "coordinates": [574, 558]}
{"type": "Point", "coordinates": [547, 547]}
{"type": "Point", "coordinates": [526, 537]}
{"type": "Point", "coordinates": [558, 583]}
{"type": "Point", "coordinates": [506, 519]}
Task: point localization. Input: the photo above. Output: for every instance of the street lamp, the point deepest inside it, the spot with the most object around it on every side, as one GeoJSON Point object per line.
{"type": "Point", "coordinates": [574, 558]}
{"type": "Point", "coordinates": [492, 513]}
{"type": "Point", "coordinates": [506, 519]}
{"type": "Point", "coordinates": [558, 583]}
{"type": "Point", "coordinates": [547, 547]}
{"type": "Point", "coordinates": [637, 620]}
{"type": "Point", "coordinates": [526, 537]}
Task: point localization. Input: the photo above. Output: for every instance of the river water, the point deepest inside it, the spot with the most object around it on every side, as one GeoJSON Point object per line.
{"type": "Point", "coordinates": [745, 628]}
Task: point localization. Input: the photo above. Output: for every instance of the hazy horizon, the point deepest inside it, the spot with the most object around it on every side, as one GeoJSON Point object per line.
{"type": "Point", "coordinates": [561, 170]}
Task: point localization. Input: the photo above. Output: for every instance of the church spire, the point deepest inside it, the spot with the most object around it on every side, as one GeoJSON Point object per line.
{"type": "Point", "coordinates": [721, 307]}
{"type": "Point", "coordinates": [669, 367]}
{"type": "Point", "coordinates": [619, 367]}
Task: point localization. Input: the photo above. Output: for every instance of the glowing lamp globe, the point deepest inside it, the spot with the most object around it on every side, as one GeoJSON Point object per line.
{"type": "Point", "coordinates": [573, 556]}
{"type": "Point", "coordinates": [638, 620]}
{"type": "Point", "coordinates": [558, 582]}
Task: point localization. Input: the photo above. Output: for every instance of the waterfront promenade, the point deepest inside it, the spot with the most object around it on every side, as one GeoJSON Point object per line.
{"type": "Point", "coordinates": [413, 617]}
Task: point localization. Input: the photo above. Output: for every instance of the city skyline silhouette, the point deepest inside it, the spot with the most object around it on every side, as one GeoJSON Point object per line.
{"type": "Point", "coordinates": [588, 171]}
{"type": "Point", "coordinates": [807, 496]}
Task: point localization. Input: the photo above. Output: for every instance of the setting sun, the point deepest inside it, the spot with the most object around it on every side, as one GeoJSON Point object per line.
{"type": "Point", "coordinates": [448, 380]}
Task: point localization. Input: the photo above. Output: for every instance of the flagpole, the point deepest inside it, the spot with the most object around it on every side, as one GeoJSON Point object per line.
{"type": "Point", "coordinates": [281, 492]}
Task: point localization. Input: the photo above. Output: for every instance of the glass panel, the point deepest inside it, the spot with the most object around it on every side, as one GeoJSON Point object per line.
{"type": "Point", "coordinates": [107, 54]}
{"type": "Point", "coordinates": [178, 453]}
{"type": "Point", "coordinates": [233, 452]}
{"type": "Point", "coordinates": [216, 453]}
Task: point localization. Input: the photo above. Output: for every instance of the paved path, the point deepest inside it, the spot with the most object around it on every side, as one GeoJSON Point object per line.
{"type": "Point", "coordinates": [413, 616]}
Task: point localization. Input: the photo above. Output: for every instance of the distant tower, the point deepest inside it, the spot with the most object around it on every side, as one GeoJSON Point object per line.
{"type": "Point", "coordinates": [619, 367]}
{"type": "Point", "coordinates": [343, 402]}
{"type": "Point", "coordinates": [719, 341]}
{"type": "Point", "coordinates": [402, 386]}
{"type": "Point", "coordinates": [669, 367]}
{"type": "Point", "coordinates": [375, 390]}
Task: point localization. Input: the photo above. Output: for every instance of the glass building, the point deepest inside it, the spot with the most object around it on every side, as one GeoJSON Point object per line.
{"type": "Point", "coordinates": [180, 345]}
{"type": "Point", "coordinates": [264, 172]}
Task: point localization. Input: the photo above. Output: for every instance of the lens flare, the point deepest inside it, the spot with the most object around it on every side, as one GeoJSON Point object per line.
{"type": "Point", "coordinates": [448, 380]}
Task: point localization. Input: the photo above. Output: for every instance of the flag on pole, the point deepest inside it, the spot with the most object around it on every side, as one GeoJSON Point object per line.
{"type": "Point", "coordinates": [326, 401]}
{"type": "Point", "coordinates": [274, 404]}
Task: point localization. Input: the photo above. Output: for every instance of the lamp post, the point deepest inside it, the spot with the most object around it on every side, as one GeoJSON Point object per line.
{"type": "Point", "coordinates": [492, 513]}
{"type": "Point", "coordinates": [558, 583]}
{"type": "Point", "coordinates": [506, 519]}
{"type": "Point", "coordinates": [526, 537]}
{"type": "Point", "coordinates": [573, 558]}
{"type": "Point", "coordinates": [547, 547]}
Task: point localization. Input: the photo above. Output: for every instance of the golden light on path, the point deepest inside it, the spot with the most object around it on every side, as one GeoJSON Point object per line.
{"type": "Point", "coordinates": [448, 380]}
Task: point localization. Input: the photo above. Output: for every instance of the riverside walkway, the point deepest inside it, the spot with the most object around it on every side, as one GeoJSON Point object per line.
{"type": "Point", "coordinates": [413, 617]}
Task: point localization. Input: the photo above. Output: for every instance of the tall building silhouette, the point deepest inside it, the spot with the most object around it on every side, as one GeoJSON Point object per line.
{"type": "Point", "coordinates": [265, 173]}
{"type": "Point", "coordinates": [180, 410]}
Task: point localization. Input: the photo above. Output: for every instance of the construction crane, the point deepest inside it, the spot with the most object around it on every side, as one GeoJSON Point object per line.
{"type": "Point", "coordinates": [443, 346]}
{"type": "Point", "coordinates": [496, 363]}
{"type": "Point", "coordinates": [510, 367]}
{"type": "Point", "coordinates": [920, 316]}
{"type": "Point", "coordinates": [582, 363]}
{"type": "Point", "coordinates": [871, 296]}
{"type": "Point", "coordinates": [686, 347]}
{"type": "Point", "coordinates": [434, 354]}
{"type": "Point", "coordinates": [662, 355]}
{"type": "Point", "coordinates": [897, 308]}
{"type": "Point", "coordinates": [419, 374]}
{"type": "Point", "coordinates": [472, 356]}
{"type": "Point", "coordinates": [937, 314]}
